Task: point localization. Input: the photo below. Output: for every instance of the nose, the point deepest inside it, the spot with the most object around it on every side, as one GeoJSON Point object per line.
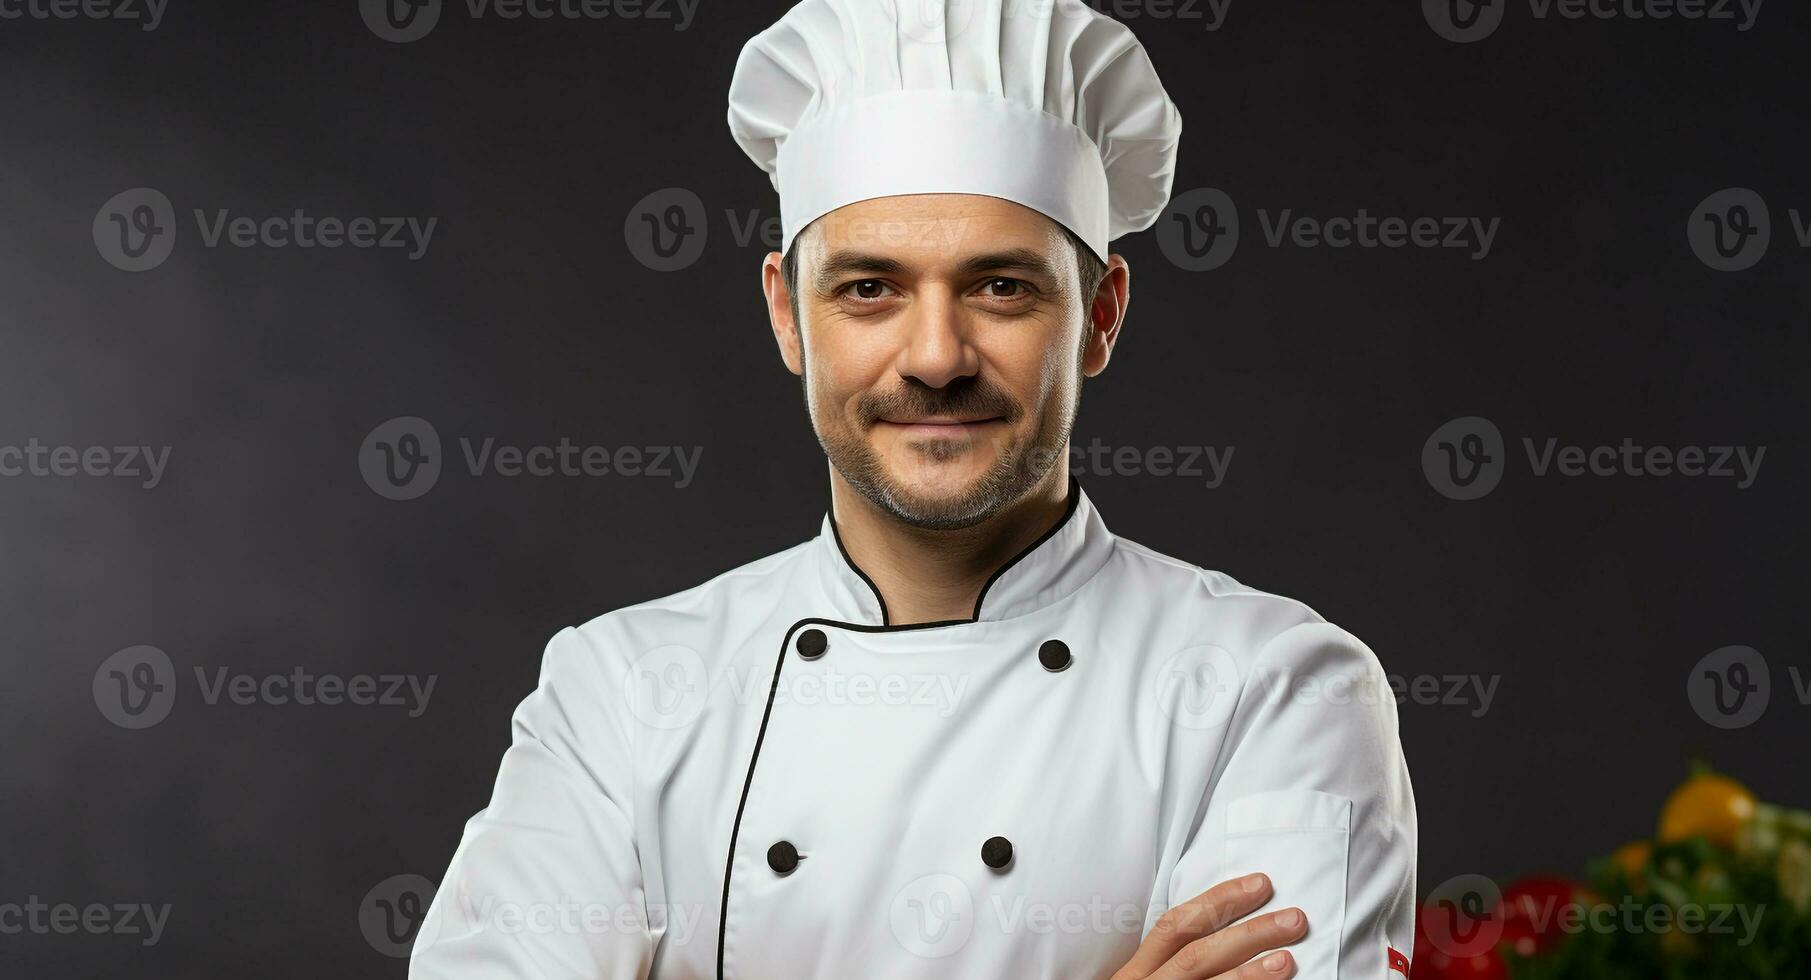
{"type": "Point", "coordinates": [937, 348]}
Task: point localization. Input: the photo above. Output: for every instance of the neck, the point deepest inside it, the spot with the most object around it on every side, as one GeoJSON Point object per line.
{"type": "Point", "coordinates": [927, 576]}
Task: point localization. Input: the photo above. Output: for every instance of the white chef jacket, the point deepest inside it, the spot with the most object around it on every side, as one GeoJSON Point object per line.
{"type": "Point", "coordinates": [760, 778]}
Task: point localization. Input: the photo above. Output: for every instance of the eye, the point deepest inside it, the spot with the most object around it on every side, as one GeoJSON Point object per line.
{"type": "Point", "coordinates": [1014, 288]}
{"type": "Point", "coordinates": [864, 289]}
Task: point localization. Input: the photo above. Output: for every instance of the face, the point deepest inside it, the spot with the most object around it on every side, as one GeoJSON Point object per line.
{"type": "Point", "coordinates": [942, 341]}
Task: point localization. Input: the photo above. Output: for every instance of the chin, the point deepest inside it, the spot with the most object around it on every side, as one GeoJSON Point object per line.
{"type": "Point", "coordinates": [944, 496]}
{"type": "Point", "coordinates": [933, 485]}
{"type": "Point", "coordinates": [940, 468]}
{"type": "Point", "coordinates": [937, 495]}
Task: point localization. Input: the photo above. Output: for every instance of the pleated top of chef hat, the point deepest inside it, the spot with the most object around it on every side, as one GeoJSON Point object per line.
{"type": "Point", "coordinates": [1047, 103]}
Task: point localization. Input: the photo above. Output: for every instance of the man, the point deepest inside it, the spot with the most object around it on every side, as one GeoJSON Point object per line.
{"type": "Point", "coordinates": [965, 731]}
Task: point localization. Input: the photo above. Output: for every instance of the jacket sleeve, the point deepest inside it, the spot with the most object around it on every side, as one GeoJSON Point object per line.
{"type": "Point", "coordinates": [547, 881]}
{"type": "Point", "coordinates": [1312, 789]}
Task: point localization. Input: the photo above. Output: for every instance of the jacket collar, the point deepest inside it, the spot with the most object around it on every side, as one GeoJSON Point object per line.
{"type": "Point", "coordinates": [1050, 568]}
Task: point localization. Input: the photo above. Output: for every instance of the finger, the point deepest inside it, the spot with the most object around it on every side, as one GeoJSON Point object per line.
{"type": "Point", "coordinates": [1199, 916]}
{"type": "Point", "coordinates": [1271, 966]}
{"type": "Point", "coordinates": [1224, 951]}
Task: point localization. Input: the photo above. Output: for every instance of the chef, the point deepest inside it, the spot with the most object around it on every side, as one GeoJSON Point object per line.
{"type": "Point", "coordinates": [965, 730]}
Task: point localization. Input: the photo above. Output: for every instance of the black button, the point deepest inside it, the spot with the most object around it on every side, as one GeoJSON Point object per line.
{"type": "Point", "coordinates": [783, 857]}
{"type": "Point", "coordinates": [811, 644]}
{"type": "Point", "coordinates": [1054, 655]}
{"type": "Point", "coordinates": [997, 852]}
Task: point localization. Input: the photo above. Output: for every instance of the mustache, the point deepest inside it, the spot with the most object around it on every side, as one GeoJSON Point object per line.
{"type": "Point", "coordinates": [967, 398]}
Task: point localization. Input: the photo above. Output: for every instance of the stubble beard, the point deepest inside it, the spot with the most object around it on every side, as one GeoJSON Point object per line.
{"type": "Point", "coordinates": [1014, 473]}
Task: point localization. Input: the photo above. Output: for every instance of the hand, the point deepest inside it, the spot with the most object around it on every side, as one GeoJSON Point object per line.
{"type": "Point", "coordinates": [1192, 941]}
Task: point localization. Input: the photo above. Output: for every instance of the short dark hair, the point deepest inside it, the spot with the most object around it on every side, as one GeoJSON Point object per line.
{"type": "Point", "coordinates": [1090, 270]}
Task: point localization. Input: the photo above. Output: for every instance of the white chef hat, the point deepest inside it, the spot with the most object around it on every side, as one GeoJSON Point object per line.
{"type": "Point", "coordinates": [1046, 103]}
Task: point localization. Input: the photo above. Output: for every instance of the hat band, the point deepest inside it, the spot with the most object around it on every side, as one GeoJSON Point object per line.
{"type": "Point", "coordinates": [942, 141]}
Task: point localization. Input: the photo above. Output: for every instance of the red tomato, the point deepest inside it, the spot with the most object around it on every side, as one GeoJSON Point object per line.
{"type": "Point", "coordinates": [1532, 910]}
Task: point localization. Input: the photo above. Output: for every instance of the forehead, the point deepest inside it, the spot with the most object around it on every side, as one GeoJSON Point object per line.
{"type": "Point", "coordinates": [928, 231]}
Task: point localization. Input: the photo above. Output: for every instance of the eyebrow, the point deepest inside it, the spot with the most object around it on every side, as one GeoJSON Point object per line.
{"type": "Point", "coordinates": [842, 262]}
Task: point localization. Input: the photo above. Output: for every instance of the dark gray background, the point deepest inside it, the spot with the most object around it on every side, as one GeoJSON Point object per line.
{"type": "Point", "coordinates": [528, 319]}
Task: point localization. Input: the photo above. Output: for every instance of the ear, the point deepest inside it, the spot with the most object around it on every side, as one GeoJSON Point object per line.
{"type": "Point", "coordinates": [1107, 314]}
{"type": "Point", "coordinates": [779, 313]}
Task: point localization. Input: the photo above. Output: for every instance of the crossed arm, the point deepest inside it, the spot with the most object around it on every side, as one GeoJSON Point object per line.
{"type": "Point", "coordinates": [1309, 826]}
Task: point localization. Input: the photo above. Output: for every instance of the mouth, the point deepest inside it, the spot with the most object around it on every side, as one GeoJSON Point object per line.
{"type": "Point", "coordinates": [940, 426]}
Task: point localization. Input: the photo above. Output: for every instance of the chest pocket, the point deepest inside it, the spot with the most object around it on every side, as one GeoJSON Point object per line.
{"type": "Point", "coordinates": [1300, 839]}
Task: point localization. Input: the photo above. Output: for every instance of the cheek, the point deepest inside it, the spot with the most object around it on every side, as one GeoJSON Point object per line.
{"type": "Point", "coordinates": [1039, 376]}
{"type": "Point", "coordinates": [839, 369]}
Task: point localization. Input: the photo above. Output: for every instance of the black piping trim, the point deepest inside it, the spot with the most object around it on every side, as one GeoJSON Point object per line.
{"type": "Point", "coordinates": [838, 535]}
{"type": "Point", "coordinates": [786, 644]}
{"type": "Point", "coordinates": [1075, 496]}
{"type": "Point", "coordinates": [760, 736]}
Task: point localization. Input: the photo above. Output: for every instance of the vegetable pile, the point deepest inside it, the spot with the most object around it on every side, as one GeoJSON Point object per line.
{"type": "Point", "coordinates": [1723, 890]}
